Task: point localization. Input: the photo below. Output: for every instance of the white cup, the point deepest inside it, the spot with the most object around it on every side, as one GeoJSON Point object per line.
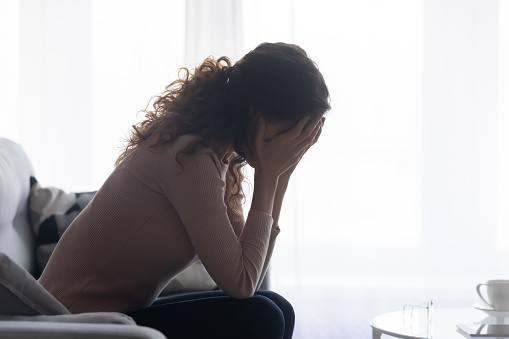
{"type": "Point", "coordinates": [498, 294]}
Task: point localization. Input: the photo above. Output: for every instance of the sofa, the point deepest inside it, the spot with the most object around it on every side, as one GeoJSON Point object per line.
{"type": "Point", "coordinates": [27, 310]}
{"type": "Point", "coordinates": [32, 218]}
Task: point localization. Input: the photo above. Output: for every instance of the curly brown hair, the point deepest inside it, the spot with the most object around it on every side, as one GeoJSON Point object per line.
{"type": "Point", "coordinates": [214, 103]}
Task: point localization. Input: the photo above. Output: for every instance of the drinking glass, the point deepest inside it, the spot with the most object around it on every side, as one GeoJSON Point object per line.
{"type": "Point", "coordinates": [417, 319]}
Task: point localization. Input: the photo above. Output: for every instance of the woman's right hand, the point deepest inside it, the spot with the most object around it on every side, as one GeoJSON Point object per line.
{"type": "Point", "coordinates": [276, 156]}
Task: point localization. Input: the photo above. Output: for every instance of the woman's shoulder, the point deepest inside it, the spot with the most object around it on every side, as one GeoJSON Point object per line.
{"type": "Point", "coordinates": [187, 143]}
{"type": "Point", "coordinates": [187, 148]}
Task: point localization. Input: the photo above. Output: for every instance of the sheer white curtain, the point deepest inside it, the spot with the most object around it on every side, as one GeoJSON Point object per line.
{"type": "Point", "coordinates": [405, 197]}
{"type": "Point", "coordinates": [74, 75]}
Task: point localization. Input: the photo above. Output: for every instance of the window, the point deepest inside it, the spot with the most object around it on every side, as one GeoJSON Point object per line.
{"type": "Point", "coordinates": [405, 197]}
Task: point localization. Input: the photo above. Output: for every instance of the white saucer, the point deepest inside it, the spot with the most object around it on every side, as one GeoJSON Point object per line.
{"type": "Point", "coordinates": [488, 309]}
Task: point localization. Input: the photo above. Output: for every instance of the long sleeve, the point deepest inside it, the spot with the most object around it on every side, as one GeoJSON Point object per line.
{"type": "Point", "coordinates": [196, 189]}
{"type": "Point", "coordinates": [238, 222]}
{"type": "Point", "coordinates": [236, 217]}
{"type": "Point", "coordinates": [274, 232]}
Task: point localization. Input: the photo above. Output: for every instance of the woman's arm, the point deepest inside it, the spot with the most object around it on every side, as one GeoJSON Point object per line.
{"type": "Point", "coordinates": [195, 189]}
{"type": "Point", "coordinates": [265, 185]}
{"type": "Point", "coordinates": [282, 185]}
{"type": "Point", "coordinates": [305, 134]}
{"type": "Point", "coordinates": [276, 209]}
{"type": "Point", "coordinates": [279, 194]}
{"type": "Point", "coordinates": [284, 178]}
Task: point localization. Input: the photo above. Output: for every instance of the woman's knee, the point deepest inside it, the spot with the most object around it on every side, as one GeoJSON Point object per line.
{"type": "Point", "coordinates": [280, 301]}
{"type": "Point", "coordinates": [260, 315]}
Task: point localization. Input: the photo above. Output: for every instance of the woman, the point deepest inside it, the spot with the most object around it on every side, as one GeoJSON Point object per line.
{"type": "Point", "coordinates": [175, 197]}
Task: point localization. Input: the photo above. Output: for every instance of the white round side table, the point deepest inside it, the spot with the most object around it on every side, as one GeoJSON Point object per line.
{"type": "Point", "coordinates": [443, 324]}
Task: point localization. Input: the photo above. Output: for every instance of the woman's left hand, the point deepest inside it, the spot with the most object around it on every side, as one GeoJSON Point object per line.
{"type": "Point", "coordinates": [286, 175]}
{"type": "Point", "coordinates": [298, 140]}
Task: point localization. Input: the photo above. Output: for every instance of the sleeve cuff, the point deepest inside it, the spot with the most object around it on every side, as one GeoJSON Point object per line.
{"type": "Point", "coordinates": [275, 229]}
{"type": "Point", "coordinates": [261, 214]}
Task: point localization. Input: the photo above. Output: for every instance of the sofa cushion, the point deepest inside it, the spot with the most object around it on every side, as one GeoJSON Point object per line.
{"type": "Point", "coordinates": [21, 294]}
{"type": "Point", "coordinates": [16, 237]}
{"type": "Point", "coordinates": [192, 279]}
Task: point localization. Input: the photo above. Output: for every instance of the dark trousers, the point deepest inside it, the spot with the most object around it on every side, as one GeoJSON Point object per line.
{"type": "Point", "coordinates": [213, 314]}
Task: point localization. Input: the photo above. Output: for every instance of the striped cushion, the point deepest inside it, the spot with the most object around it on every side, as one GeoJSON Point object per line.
{"type": "Point", "coordinates": [51, 211]}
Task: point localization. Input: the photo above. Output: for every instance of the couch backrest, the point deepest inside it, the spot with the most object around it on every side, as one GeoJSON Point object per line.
{"type": "Point", "coordinates": [16, 236]}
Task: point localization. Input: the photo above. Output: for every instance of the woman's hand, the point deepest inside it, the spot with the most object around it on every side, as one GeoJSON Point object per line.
{"type": "Point", "coordinates": [285, 177]}
{"type": "Point", "coordinates": [281, 154]}
{"type": "Point", "coordinates": [274, 160]}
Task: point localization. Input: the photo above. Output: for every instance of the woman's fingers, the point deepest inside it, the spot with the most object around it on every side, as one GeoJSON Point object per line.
{"type": "Point", "coordinates": [311, 128]}
{"type": "Point", "coordinates": [304, 146]}
{"type": "Point", "coordinates": [313, 141]}
{"type": "Point", "coordinates": [284, 150]}
{"type": "Point", "coordinates": [308, 132]}
{"type": "Point", "coordinates": [296, 131]}
{"type": "Point", "coordinates": [317, 136]}
{"type": "Point", "coordinates": [310, 138]}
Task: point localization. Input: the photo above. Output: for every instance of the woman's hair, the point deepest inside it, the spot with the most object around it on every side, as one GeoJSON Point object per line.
{"type": "Point", "coordinates": [214, 103]}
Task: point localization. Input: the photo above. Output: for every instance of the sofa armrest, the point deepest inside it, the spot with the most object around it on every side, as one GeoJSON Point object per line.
{"type": "Point", "coordinates": [83, 318]}
{"type": "Point", "coordinates": [58, 330]}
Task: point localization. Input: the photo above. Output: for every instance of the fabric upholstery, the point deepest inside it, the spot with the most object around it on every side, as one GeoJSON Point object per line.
{"type": "Point", "coordinates": [83, 318]}
{"type": "Point", "coordinates": [16, 238]}
{"type": "Point", "coordinates": [194, 278]}
{"type": "Point", "coordinates": [27, 310]}
{"type": "Point", "coordinates": [55, 330]}
{"type": "Point", "coordinates": [21, 294]}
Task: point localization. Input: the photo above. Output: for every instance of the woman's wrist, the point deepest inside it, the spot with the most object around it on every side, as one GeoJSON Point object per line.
{"type": "Point", "coordinates": [266, 177]}
{"type": "Point", "coordinates": [265, 185]}
{"type": "Point", "coordinates": [284, 179]}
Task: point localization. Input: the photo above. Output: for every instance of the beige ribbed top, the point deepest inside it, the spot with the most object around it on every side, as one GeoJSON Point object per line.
{"type": "Point", "coordinates": [150, 220]}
